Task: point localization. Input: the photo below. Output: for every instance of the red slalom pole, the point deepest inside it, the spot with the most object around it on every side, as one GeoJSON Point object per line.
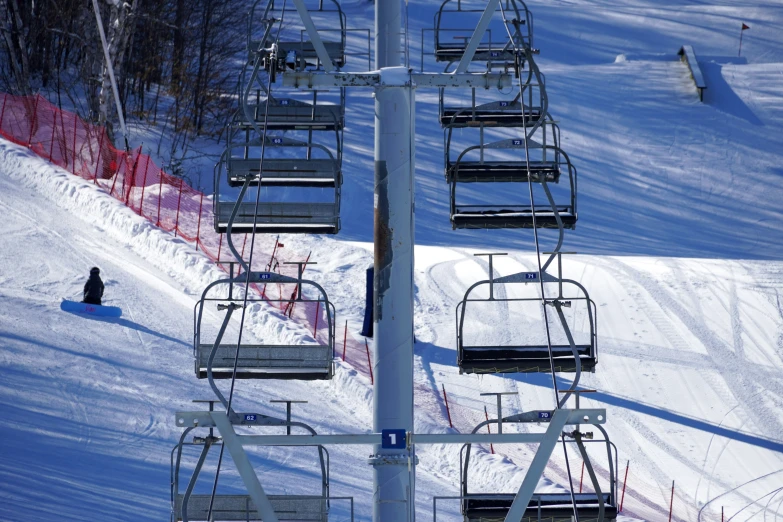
{"type": "Point", "coordinates": [671, 503]}
{"type": "Point", "coordinates": [446, 400]}
{"type": "Point", "coordinates": [625, 481]}
{"type": "Point", "coordinates": [581, 478]}
{"type": "Point", "coordinates": [345, 338]}
{"type": "Point", "coordinates": [369, 362]}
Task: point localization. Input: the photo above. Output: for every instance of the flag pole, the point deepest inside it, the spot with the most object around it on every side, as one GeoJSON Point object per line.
{"type": "Point", "coordinates": [742, 32]}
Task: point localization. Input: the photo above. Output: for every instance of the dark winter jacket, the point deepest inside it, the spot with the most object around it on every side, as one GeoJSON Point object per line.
{"type": "Point", "coordinates": [93, 290]}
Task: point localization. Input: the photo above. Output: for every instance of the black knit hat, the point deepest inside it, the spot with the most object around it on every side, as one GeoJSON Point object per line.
{"type": "Point", "coordinates": [95, 270]}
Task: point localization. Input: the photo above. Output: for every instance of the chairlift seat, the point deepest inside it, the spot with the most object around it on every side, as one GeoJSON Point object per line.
{"type": "Point", "coordinates": [484, 217]}
{"type": "Point", "coordinates": [555, 507]}
{"type": "Point", "coordinates": [306, 50]}
{"type": "Point", "coordinates": [300, 362]}
{"type": "Point", "coordinates": [518, 359]}
{"type": "Point", "coordinates": [279, 218]}
{"type": "Point", "coordinates": [503, 171]}
{"type": "Point", "coordinates": [490, 115]}
{"type": "Point", "coordinates": [452, 52]}
{"type": "Point", "coordinates": [242, 507]}
{"type": "Point", "coordinates": [286, 172]}
{"type": "Point", "coordinates": [288, 114]}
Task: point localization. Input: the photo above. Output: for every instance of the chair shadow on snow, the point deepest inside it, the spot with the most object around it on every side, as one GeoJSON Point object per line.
{"type": "Point", "coordinates": [132, 325]}
{"type": "Point", "coordinates": [431, 353]}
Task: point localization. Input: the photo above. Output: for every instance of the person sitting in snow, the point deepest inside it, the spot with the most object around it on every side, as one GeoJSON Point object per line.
{"type": "Point", "coordinates": [93, 288]}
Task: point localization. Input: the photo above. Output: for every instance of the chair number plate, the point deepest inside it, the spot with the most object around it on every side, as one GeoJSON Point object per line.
{"type": "Point", "coordinates": [250, 418]}
{"type": "Point", "coordinates": [531, 275]}
{"type": "Point", "coordinates": [544, 414]}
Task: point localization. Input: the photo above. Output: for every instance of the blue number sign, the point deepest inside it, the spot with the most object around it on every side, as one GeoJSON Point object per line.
{"type": "Point", "coordinates": [516, 142]}
{"type": "Point", "coordinates": [531, 275]}
{"type": "Point", "coordinates": [249, 417]}
{"type": "Point", "coordinates": [393, 439]}
{"type": "Point", "coordinates": [544, 414]}
{"type": "Point", "coordinates": [277, 141]}
{"type": "Point", "coordinates": [265, 276]}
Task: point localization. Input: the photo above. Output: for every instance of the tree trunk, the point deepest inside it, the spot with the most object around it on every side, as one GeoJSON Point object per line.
{"type": "Point", "coordinates": [120, 24]}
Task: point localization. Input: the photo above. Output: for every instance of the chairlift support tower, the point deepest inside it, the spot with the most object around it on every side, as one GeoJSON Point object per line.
{"type": "Point", "coordinates": [393, 440]}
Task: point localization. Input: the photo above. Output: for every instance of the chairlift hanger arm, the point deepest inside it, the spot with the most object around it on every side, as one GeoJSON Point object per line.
{"type": "Point", "coordinates": [478, 34]}
{"type": "Point", "coordinates": [312, 32]}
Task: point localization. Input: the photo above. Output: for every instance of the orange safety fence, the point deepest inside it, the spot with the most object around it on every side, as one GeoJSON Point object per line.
{"type": "Point", "coordinates": [84, 149]}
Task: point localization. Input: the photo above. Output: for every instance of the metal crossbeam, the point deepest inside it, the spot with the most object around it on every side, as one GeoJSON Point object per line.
{"type": "Point", "coordinates": [206, 419]}
{"type": "Point", "coordinates": [311, 80]}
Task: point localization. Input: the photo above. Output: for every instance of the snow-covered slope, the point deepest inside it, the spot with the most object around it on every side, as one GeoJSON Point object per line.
{"type": "Point", "coordinates": [690, 336]}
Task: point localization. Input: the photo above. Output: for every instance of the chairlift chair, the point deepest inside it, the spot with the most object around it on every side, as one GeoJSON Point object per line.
{"type": "Point", "coordinates": [309, 361]}
{"type": "Point", "coordinates": [549, 507]}
{"type": "Point", "coordinates": [287, 114]}
{"type": "Point", "coordinates": [504, 357]}
{"type": "Point", "coordinates": [525, 109]}
{"type": "Point", "coordinates": [456, 20]}
{"type": "Point", "coordinates": [292, 44]}
{"type": "Point", "coordinates": [545, 164]}
{"type": "Point", "coordinates": [301, 170]}
{"type": "Point", "coordinates": [304, 171]}
{"type": "Point", "coordinates": [227, 507]}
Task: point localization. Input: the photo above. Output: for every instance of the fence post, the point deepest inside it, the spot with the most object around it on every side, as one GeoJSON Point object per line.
{"type": "Point", "coordinates": [179, 200]}
{"type": "Point", "coordinates": [625, 481]}
{"type": "Point", "coordinates": [132, 181]}
{"type": "Point", "coordinates": [144, 186]}
{"type": "Point", "coordinates": [32, 123]}
{"type": "Point", "coordinates": [446, 400]}
{"type": "Point", "coordinates": [369, 362]}
{"type": "Point", "coordinates": [198, 227]}
{"type": "Point", "coordinates": [100, 156]}
{"type": "Point", "coordinates": [671, 503]}
{"type": "Point", "coordinates": [317, 310]}
{"type": "Point", "coordinates": [160, 194]}
{"type": "Point", "coordinates": [2, 112]}
{"type": "Point", "coordinates": [75, 119]}
{"type": "Point", "coordinates": [486, 415]}
{"type": "Point", "coordinates": [54, 125]}
{"type": "Point", "coordinates": [345, 338]}
{"type": "Point", "coordinates": [582, 476]}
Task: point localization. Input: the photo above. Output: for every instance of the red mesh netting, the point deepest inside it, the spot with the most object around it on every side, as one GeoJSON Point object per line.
{"type": "Point", "coordinates": [168, 202]}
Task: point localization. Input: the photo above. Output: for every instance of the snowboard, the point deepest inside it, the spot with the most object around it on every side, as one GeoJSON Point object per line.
{"type": "Point", "coordinates": [85, 308]}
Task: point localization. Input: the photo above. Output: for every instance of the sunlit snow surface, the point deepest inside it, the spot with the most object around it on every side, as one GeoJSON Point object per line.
{"type": "Point", "coordinates": [689, 349]}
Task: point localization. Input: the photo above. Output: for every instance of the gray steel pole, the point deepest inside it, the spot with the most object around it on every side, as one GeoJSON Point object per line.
{"type": "Point", "coordinates": [393, 286]}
